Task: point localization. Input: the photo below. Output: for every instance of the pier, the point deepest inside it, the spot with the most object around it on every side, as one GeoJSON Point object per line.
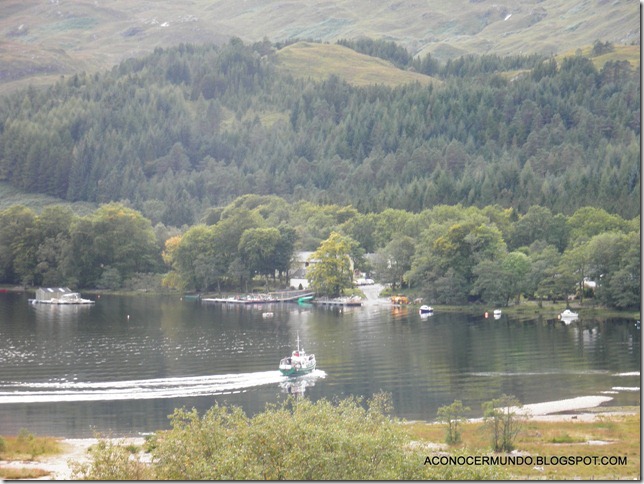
{"type": "Point", "coordinates": [263, 298]}
{"type": "Point", "coordinates": [344, 301]}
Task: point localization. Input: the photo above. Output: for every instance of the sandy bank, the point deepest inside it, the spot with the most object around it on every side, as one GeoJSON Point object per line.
{"type": "Point", "coordinates": [558, 406]}
{"type": "Point", "coordinates": [562, 410]}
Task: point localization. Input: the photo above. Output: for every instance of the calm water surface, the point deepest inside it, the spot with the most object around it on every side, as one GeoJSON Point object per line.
{"type": "Point", "coordinates": [121, 366]}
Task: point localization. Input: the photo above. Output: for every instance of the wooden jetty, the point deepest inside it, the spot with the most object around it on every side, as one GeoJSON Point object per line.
{"type": "Point", "coordinates": [264, 298]}
{"type": "Point", "coordinates": [343, 301]}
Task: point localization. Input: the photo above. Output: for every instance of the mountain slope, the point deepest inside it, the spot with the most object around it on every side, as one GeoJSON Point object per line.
{"type": "Point", "coordinates": [43, 40]}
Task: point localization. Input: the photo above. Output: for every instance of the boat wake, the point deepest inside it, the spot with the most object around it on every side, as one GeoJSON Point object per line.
{"type": "Point", "coordinates": [159, 388]}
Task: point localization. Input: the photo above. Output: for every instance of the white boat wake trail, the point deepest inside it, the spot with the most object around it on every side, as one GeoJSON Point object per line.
{"type": "Point", "coordinates": [191, 386]}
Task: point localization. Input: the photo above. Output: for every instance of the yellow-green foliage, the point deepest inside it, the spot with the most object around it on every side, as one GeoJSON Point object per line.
{"type": "Point", "coordinates": [27, 446]}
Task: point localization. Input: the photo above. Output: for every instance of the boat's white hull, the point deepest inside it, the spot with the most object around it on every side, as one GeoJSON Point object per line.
{"type": "Point", "coordinates": [567, 314]}
{"type": "Point", "coordinates": [61, 303]}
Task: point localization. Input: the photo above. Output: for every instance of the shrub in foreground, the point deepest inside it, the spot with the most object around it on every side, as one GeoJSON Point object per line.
{"type": "Point", "coordinates": [504, 422]}
{"type": "Point", "coordinates": [110, 461]}
{"type": "Point", "coordinates": [297, 439]}
{"type": "Point", "coordinates": [453, 415]}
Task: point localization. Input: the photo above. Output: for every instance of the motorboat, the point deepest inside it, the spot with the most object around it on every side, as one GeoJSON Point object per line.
{"type": "Point", "coordinates": [424, 309]}
{"type": "Point", "coordinates": [568, 316]}
{"type": "Point", "coordinates": [299, 363]}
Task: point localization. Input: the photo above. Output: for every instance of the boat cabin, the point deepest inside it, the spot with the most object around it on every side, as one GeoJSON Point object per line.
{"type": "Point", "coordinates": [53, 293]}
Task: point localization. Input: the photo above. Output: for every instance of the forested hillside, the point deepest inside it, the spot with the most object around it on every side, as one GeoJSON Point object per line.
{"type": "Point", "coordinates": [189, 128]}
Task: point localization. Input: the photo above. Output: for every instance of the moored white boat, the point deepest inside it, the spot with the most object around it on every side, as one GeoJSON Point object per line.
{"type": "Point", "coordinates": [568, 316]}
{"type": "Point", "coordinates": [424, 309]}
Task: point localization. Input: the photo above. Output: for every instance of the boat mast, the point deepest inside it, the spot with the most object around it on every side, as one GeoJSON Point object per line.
{"type": "Point", "coordinates": [298, 341]}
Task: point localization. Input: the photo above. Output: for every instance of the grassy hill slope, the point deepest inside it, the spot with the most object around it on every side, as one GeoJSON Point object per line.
{"type": "Point", "coordinates": [10, 196]}
{"type": "Point", "coordinates": [318, 61]}
{"type": "Point", "coordinates": [42, 40]}
{"type": "Point", "coordinates": [630, 53]}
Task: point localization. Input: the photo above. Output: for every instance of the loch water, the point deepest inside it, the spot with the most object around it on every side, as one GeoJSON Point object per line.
{"type": "Point", "coordinates": [119, 367]}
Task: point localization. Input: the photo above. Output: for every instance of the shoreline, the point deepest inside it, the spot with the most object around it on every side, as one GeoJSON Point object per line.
{"type": "Point", "coordinates": [525, 308]}
{"type": "Point", "coordinates": [579, 409]}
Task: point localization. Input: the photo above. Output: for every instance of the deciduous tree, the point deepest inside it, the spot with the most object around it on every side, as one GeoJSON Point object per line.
{"type": "Point", "coordinates": [394, 260]}
{"type": "Point", "coordinates": [330, 270]}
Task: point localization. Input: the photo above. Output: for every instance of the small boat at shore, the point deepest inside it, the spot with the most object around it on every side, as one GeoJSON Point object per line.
{"type": "Point", "coordinates": [299, 363]}
{"type": "Point", "coordinates": [568, 316]}
{"type": "Point", "coordinates": [424, 309]}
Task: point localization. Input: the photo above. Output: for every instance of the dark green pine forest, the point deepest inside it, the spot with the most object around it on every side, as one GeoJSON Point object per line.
{"type": "Point", "coordinates": [193, 127]}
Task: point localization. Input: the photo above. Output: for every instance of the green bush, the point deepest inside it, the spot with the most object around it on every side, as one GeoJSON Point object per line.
{"type": "Point", "coordinates": [108, 460]}
{"type": "Point", "coordinates": [296, 440]}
